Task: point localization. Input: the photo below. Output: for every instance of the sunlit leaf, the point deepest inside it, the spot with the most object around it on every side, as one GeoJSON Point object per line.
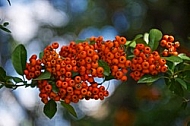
{"type": "Point", "coordinates": [149, 78]}
{"type": "Point", "coordinates": [43, 76]}
{"type": "Point", "coordinates": [69, 108]}
{"type": "Point", "coordinates": [19, 57]}
{"type": "Point", "coordinates": [50, 108]}
{"type": "Point", "coordinates": [105, 66]}
{"type": "Point", "coordinates": [183, 56]}
{"type": "Point", "coordinates": [146, 37]}
{"type": "Point", "coordinates": [174, 59]}
{"type": "Point", "coordinates": [155, 36]}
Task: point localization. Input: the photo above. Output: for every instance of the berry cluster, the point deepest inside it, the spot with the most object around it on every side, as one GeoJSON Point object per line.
{"type": "Point", "coordinates": [146, 62]}
{"type": "Point", "coordinates": [71, 90]}
{"type": "Point", "coordinates": [33, 68]}
{"type": "Point", "coordinates": [171, 46]}
{"type": "Point", "coordinates": [113, 52]}
{"type": "Point", "coordinates": [75, 66]}
{"type": "Point", "coordinates": [73, 73]}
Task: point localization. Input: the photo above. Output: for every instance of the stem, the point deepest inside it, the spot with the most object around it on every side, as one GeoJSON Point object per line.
{"type": "Point", "coordinates": [14, 86]}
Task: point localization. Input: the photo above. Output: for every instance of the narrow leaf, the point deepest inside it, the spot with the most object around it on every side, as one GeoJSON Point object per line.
{"type": "Point", "coordinates": [184, 105]}
{"type": "Point", "coordinates": [17, 79]}
{"type": "Point", "coordinates": [9, 2]}
{"type": "Point", "coordinates": [79, 41]}
{"type": "Point", "coordinates": [43, 76]}
{"type": "Point", "coordinates": [4, 29]}
{"type": "Point", "coordinates": [50, 108]}
{"type": "Point", "coordinates": [105, 66]}
{"type": "Point", "coordinates": [69, 108]}
{"type": "Point", "coordinates": [41, 54]}
{"type": "Point", "coordinates": [182, 82]}
{"type": "Point", "coordinates": [155, 36]}
{"type": "Point", "coordinates": [175, 59]}
{"type": "Point", "coordinates": [146, 37]}
{"type": "Point", "coordinates": [149, 79]}
{"type": "Point", "coordinates": [2, 74]}
{"type": "Point", "coordinates": [74, 74]}
{"type": "Point", "coordinates": [5, 24]}
{"type": "Point", "coordinates": [19, 57]}
{"type": "Point", "coordinates": [184, 56]}
{"type": "Point", "coordinates": [110, 77]}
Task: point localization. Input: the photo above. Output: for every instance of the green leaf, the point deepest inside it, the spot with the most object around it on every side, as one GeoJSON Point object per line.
{"type": "Point", "coordinates": [19, 57]}
{"type": "Point", "coordinates": [110, 77]}
{"type": "Point", "coordinates": [4, 29]}
{"type": "Point", "coordinates": [131, 44]}
{"type": "Point", "coordinates": [5, 24]}
{"type": "Point", "coordinates": [2, 74]}
{"type": "Point", "coordinates": [149, 78]}
{"type": "Point", "coordinates": [69, 108]}
{"type": "Point", "coordinates": [43, 76]}
{"type": "Point", "coordinates": [9, 2]}
{"type": "Point", "coordinates": [175, 87]}
{"type": "Point", "coordinates": [17, 79]}
{"type": "Point", "coordinates": [92, 42]}
{"type": "Point", "coordinates": [41, 54]}
{"type": "Point", "coordinates": [142, 41]}
{"type": "Point", "coordinates": [50, 108]}
{"type": "Point", "coordinates": [79, 41]}
{"type": "Point", "coordinates": [184, 105]}
{"type": "Point", "coordinates": [155, 36]}
{"type": "Point", "coordinates": [1, 85]}
{"type": "Point", "coordinates": [146, 37]}
{"type": "Point", "coordinates": [174, 59]}
{"type": "Point", "coordinates": [74, 74]}
{"type": "Point", "coordinates": [183, 56]}
{"type": "Point", "coordinates": [182, 82]}
{"type": "Point", "coordinates": [104, 64]}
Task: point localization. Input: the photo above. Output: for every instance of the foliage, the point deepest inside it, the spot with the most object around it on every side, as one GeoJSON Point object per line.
{"type": "Point", "coordinates": [176, 77]}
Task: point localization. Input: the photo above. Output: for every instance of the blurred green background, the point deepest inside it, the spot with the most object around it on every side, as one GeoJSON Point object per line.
{"type": "Point", "coordinates": [37, 23]}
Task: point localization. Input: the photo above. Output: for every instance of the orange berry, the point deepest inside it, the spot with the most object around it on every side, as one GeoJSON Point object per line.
{"type": "Point", "coordinates": [136, 52]}
{"type": "Point", "coordinates": [170, 38]}
{"type": "Point", "coordinates": [147, 50]}
{"type": "Point", "coordinates": [163, 43]}
{"type": "Point", "coordinates": [68, 67]}
{"type": "Point", "coordinates": [77, 79]}
{"type": "Point", "coordinates": [90, 52]}
{"type": "Point", "coordinates": [83, 91]}
{"type": "Point", "coordinates": [68, 74]}
{"type": "Point", "coordinates": [145, 65]}
{"type": "Point", "coordinates": [122, 59]}
{"type": "Point", "coordinates": [55, 45]}
{"type": "Point", "coordinates": [100, 70]}
{"type": "Point", "coordinates": [122, 40]}
{"type": "Point", "coordinates": [59, 83]}
{"type": "Point", "coordinates": [124, 78]}
{"type": "Point", "coordinates": [164, 69]}
{"type": "Point", "coordinates": [119, 74]}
